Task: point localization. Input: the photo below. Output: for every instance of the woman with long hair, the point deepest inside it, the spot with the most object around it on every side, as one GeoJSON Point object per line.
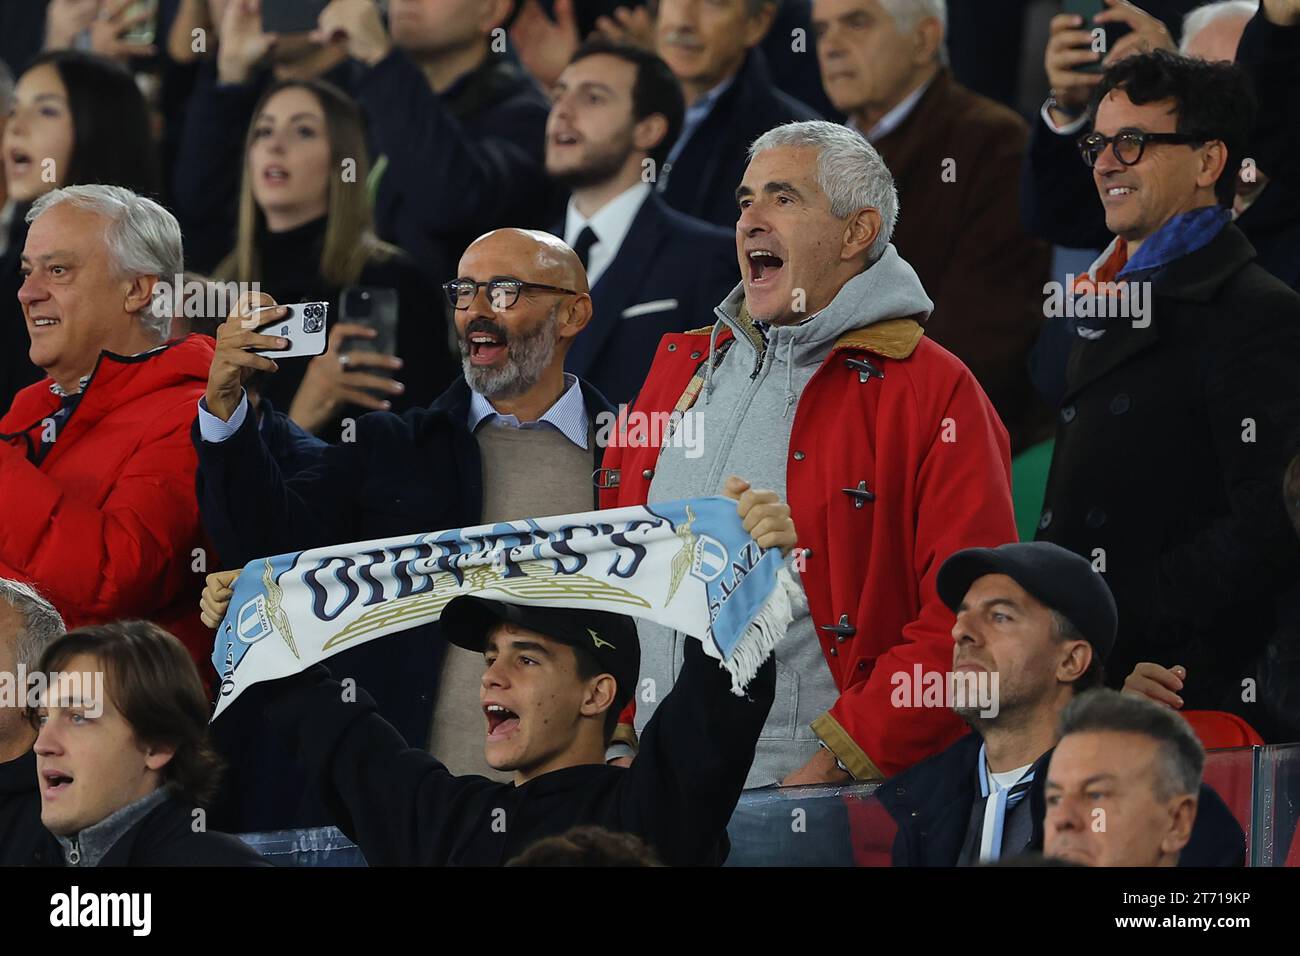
{"type": "Point", "coordinates": [305, 233]}
{"type": "Point", "coordinates": [76, 118]}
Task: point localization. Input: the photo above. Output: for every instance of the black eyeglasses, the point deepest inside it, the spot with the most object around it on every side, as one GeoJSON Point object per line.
{"type": "Point", "coordinates": [502, 293]}
{"type": "Point", "coordinates": [1129, 144]}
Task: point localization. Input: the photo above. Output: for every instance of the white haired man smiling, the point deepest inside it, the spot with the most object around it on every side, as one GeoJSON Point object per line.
{"type": "Point", "coordinates": [96, 465]}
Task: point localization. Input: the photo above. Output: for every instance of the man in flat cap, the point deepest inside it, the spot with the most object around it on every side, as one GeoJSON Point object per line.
{"type": "Point", "coordinates": [1034, 624]}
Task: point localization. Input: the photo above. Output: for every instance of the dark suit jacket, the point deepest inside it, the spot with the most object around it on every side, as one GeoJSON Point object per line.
{"type": "Point", "coordinates": [931, 803]}
{"type": "Point", "coordinates": [1170, 449]}
{"type": "Point", "coordinates": [669, 273]}
{"type": "Point", "coordinates": [703, 181]}
{"type": "Point", "coordinates": [962, 234]}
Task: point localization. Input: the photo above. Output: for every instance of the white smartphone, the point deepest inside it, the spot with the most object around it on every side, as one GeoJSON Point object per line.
{"type": "Point", "coordinates": [304, 327]}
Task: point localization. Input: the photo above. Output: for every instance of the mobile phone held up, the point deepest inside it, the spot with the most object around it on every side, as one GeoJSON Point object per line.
{"type": "Point", "coordinates": [375, 308]}
{"type": "Point", "coordinates": [1112, 31]}
{"type": "Point", "coordinates": [304, 326]}
{"type": "Point", "coordinates": [146, 30]}
{"type": "Point", "coordinates": [291, 16]}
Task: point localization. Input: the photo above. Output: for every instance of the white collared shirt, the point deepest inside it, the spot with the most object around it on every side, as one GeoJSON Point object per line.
{"type": "Point", "coordinates": [610, 224]}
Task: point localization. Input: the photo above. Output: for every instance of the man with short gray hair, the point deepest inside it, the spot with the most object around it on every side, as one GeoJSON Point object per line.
{"type": "Point", "coordinates": [956, 157]}
{"type": "Point", "coordinates": [1124, 783]}
{"type": "Point", "coordinates": [817, 381]}
{"type": "Point", "coordinates": [96, 466]}
{"type": "Point", "coordinates": [28, 623]}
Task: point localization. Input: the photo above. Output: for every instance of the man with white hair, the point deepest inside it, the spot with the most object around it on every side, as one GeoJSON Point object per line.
{"type": "Point", "coordinates": [96, 467]}
{"type": "Point", "coordinates": [817, 381]}
{"type": "Point", "coordinates": [28, 623]}
{"type": "Point", "coordinates": [954, 155]}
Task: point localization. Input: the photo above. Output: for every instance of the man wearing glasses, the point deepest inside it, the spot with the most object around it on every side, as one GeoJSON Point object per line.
{"type": "Point", "coordinates": [1176, 423]}
{"type": "Point", "coordinates": [512, 438]}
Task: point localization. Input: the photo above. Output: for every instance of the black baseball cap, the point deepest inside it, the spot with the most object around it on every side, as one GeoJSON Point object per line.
{"type": "Point", "coordinates": [1061, 579]}
{"type": "Point", "coordinates": [610, 638]}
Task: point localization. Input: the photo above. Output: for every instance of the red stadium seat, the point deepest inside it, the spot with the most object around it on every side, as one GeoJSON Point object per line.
{"type": "Point", "coordinates": [1219, 730]}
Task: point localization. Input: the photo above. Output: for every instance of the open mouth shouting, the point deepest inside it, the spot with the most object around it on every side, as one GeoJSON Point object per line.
{"type": "Point", "coordinates": [54, 783]}
{"type": "Point", "coordinates": [501, 721]}
{"type": "Point", "coordinates": [764, 266]}
{"type": "Point", "coordinates": [486, 343]}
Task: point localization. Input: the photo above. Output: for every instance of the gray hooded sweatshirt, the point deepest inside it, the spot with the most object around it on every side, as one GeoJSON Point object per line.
{"type": "Point", "coordinates": [746, 410]}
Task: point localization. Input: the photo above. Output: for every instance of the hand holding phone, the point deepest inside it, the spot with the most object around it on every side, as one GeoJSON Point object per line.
{"type": "Point", "coordinates": [302, 325]}
{"type": "Point", "coordinates": [125, 29]}
{"type": "Point", "coordinates": [337, 380]}
{"type": "Point", "coordinates": [235, 360]}
{"type": "Point", "coordinates": [1072, 66]}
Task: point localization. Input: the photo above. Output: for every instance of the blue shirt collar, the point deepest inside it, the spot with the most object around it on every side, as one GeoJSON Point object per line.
{"type": "Point", "coordinates": [568, 415]}
{"type": "Point", "coordinates": [696, 114]}
{"type": "Point", "coordinates": [1180, 236]}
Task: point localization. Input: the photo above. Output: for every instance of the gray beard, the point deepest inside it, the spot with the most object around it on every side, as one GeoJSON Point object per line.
{"type": "Point", "coordinates": [527, 357]}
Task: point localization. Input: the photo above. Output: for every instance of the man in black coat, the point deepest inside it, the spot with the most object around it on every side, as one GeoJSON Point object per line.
{"type": "Point", "coordinates": [653, 270]}
{"type": "Point", "coordinates": [429, 469]}
{"type": "Point", "coordinates": [1180, 406]}
{"type": "Point", "coordinates": [554, 682]}
{"type": "Point", "coordinates": [730, 100]}
{"type": "Point", "coordinates": [122, 766]}
{"type": "Point", "coordinates": [1034, 625]}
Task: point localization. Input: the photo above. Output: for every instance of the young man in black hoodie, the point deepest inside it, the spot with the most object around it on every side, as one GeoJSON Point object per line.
{"type": "Point", "coordinates": [122, 753]}
{"type": "Point", "coordinates": [1038, 619]}
{"type": "Point", "coordinates": [555, 680]}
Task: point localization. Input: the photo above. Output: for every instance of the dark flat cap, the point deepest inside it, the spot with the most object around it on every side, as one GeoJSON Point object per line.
{"type": "Point", "coordinates": [1060, 579]}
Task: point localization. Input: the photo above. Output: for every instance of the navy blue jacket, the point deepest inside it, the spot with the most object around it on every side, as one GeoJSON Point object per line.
{"type": "Point", "coordinates": [703, 181]}
{"type": "Point", "coordinates": [931, 803]}
{"type": "Point", "coordinates": [670, 271]}
{"type": "Point", "coordinates": [420, 471]}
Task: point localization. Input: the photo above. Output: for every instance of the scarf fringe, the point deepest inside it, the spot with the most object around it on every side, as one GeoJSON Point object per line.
{"type": "Point", "coordinates": [769, 626]}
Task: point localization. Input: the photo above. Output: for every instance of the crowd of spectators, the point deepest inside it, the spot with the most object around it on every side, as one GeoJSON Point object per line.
{"type": "Point", "coordinates": [919, 272]}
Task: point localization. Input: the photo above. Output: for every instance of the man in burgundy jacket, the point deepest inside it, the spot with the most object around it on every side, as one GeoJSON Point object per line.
{"type": "Point", "coordinates": [817, 381]}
